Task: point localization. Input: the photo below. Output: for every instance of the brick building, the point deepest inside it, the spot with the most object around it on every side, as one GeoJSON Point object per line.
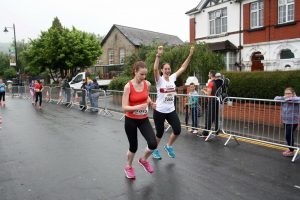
{"type": "Point", "coordinates": [260, 34]}
{"type": "Point", "coordinates": [122, 41]}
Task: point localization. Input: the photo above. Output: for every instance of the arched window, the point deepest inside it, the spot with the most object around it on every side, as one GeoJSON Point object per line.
{"type": "Point", "coordinates": [286, 54]}
{"type": "Point", "coordinates": [287, 66]}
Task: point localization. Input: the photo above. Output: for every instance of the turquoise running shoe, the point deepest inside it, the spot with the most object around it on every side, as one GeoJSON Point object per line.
{"type": "Point", "coordinates": [170, 151]}
{"type": "Point", "coordinates": [156, 154]}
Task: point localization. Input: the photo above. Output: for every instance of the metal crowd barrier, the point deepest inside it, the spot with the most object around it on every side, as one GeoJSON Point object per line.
{"type": "Point", "coordinates": [253, 119]}
{"type": "Point", "coordinates": [56, 94]}
{"type": "Point", "coordinates": [183, 110]}
{"type": "Point", "coordinates": [46, 91]}
{"type": "Point", "coordinates": [257, 120]}
{"type": "Point", "coordinates": [204, 111]}
{"type": "Point", "coordinates": [114, 101]}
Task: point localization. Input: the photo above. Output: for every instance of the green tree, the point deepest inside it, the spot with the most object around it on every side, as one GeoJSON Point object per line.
{"type": "Point", "coordinates": [10, 73]}
{"type": "Point", "coordinates": [60, 50]}
{"type": "Point", "coordinates": [4, 63]}
{"type": "Point", "coordinates": [202, 61]}
{"type": "Point", "coordinates": [21, 48]}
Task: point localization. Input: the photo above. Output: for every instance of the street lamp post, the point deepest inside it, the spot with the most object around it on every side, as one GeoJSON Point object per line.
{"type": "Point", "coordinates": [16, 53]}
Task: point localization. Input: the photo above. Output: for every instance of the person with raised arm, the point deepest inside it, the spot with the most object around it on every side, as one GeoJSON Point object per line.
{"type": "Point", "coordinates": [165, 108]}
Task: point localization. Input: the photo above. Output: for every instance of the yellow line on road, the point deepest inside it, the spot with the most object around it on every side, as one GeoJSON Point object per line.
{"type": "Point", "coordinates": [256, 143]}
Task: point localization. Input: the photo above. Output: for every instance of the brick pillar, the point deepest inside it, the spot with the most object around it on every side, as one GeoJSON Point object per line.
{"type": "Point", "coordinates": [192, 30]}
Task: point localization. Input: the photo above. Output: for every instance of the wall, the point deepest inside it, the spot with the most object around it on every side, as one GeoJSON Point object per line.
{"type": "Point", "coordinates": [272, 38]}
{"type": "Point", "coordinates": [271, 30]}
{"type": "Point", "coordinates": [202, 24]}
{"type": "Point", "coordinates": [116, 41]}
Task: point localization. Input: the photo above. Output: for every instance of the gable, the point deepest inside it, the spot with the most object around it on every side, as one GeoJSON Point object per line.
{"type": "Point", "coordinates": [139, 37]}
{"type": "Point", "coordinates": [112, 33]}
{"type": "Point", "coordinates": [205, 4]}
{"type": "Point", "coordinates": [211, 3]}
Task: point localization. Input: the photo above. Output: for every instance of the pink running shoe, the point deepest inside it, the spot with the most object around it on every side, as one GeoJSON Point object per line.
{"type": "Point", "coordinates": [288, 153]}
{"type": "Point", "coordinates": [146, 165]}
{"type": "Point", "coordinates": [129, 172]}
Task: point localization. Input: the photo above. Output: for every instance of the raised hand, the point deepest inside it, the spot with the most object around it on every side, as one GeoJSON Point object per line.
{"type": "Point", "coordinates": [192, 50]}
{"type": "Point", "coordinates": [160, 50]}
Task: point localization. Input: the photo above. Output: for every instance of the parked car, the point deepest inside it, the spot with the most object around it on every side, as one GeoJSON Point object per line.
{"type": "Point", "coordinates": [76, 81]}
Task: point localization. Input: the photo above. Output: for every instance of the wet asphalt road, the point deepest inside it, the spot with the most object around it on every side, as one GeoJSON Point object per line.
{"type": "Point", "coordinates": [63, 154]}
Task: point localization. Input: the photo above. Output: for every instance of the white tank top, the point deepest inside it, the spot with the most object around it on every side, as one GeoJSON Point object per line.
{"type": "Point", "coordinates": [166, 91]}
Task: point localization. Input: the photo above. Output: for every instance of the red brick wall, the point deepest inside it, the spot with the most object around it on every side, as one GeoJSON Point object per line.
{"type": "Point", "coordinates": [271, 32]}
{"type": "Point", "coordinates": [253, 113]}
{"type": "Point", "coordinates": [192, 30]}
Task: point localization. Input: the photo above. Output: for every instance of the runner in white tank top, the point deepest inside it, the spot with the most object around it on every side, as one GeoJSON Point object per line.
{"type": "Point", "coordinates": [165, 109]}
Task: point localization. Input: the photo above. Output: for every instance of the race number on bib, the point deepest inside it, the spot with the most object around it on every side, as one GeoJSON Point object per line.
{"type": "Point", "coordinates": [169, 98]}
{"type": "Point", "coordinates": [141, 112]}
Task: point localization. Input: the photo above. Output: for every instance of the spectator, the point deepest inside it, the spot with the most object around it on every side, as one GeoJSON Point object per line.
{"type": "Point", "coordinates": [2, 93]}
{"type": "Point", "coordinates": [32, 92]}
{"type": "Point", "coordinates": [83, 95]}
{"type": "Point", "coordinates": [212, 111]}
{"type": "Point", "coordinates": [95, 94]}
{"type": "Point", "coordinates": [290, 116]}
{"type": "Point", "coordinates": [93, 89]}
{"type": "Point", "coordinates": [193, 103]}
{"type": "Point", "coordinates": [67, 91]}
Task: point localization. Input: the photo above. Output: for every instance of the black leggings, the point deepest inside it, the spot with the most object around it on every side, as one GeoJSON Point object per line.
{"type": "Point", "coordinates": [212, 114]}
{"type": "Point", "coordinates": [38, 95]}
{"type": "Point", "coordinates": [146, 130]}
{"type": "Point", "coordinates": [172, 119]}
{"type": "Point", "coordinates": [289, 130]}
{"type": "Point", "coordinates": [2, 96]}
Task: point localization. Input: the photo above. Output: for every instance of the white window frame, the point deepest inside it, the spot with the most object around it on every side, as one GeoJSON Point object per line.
{"type": "Point", "coordinates": [217, 21]}
{"type": "Point", "coordinates": [110, 56]}
{"type": "Point", "coordinates": [122, 55]}
{"type": "Point", "coordinates": [257, 14]}
{"type": "Point", "coordinates": [286, 11]}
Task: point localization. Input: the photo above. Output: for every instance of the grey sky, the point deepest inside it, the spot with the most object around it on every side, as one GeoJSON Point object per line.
{"type": "Point", "coordinates": [95, 16]}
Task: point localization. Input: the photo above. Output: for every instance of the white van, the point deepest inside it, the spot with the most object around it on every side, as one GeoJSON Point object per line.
{"type": "Point", "coordinates": [76, 81]}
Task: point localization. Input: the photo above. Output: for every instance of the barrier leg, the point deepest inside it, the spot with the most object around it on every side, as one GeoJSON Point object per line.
{"type": "Point", "coordinates": [122, 117]}
{"type": "Point", "coordinates": [169, 126]}
{"type": "Point", "coordinates": [230, 136]}
{"type": "Point", "coordinates": [107, 112]}
{"type": "Point", "coordinates": [295, 155]}
{"type": "Point", "coordinates": [70, 105]}
{"type": "Point", "coordinates": [209, 135]}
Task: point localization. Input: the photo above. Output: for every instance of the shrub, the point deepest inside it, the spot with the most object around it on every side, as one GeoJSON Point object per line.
{"type": "Point", "coordinates": [263, 85]}
{"type": "Point", "coordinates": [119, 83]}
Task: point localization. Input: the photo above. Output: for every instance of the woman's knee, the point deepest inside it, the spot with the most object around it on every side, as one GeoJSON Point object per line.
{"type": "Point", "coordinates": [152, 145]}
{"type": "Point", "coordinates": [159, 134]}
{"type": "Point", "coordinates": [177, 130]}
{"type": "Point", "coordinates": [133, 149]}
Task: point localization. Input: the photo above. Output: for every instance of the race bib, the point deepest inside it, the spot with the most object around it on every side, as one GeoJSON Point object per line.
{"type": "Point", "coordinates": [141, 112]}
{"type": "Point", "coordinates": [169, 98]}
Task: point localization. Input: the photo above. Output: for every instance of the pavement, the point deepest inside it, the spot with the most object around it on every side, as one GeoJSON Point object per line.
{"type": "Point", "coordinates": [59, 153]}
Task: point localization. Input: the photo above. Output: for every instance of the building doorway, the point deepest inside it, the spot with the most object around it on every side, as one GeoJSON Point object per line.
{"type": "Point", "coordinates": [256, 59]}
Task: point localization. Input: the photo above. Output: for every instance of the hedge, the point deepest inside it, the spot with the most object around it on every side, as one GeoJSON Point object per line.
{"type": "Point", "coordinates": [119, 83]}
{"type": "Point", "coordinates": [263, 85]}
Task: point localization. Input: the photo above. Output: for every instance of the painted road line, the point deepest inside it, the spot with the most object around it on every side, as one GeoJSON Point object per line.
{"type": "Point", "coordinates": [256, 143]}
